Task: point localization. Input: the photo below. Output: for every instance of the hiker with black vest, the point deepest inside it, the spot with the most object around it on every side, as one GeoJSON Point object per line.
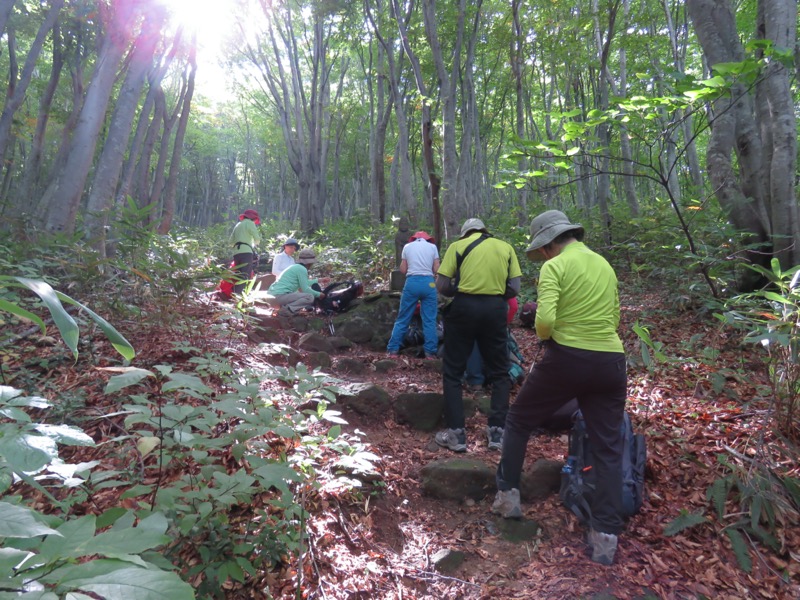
{"type": "Point", "coordinates": [481, 273]}
{"type": "Point", "coordinates": [245, 239]}
{"type": "Point", "coordinates": [577, 317]}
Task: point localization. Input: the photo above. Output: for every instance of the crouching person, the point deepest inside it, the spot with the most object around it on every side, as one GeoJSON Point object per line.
{"type": "Point", "coordinates": [577, 318]}
{"type": "Point", "coordinates": [293, 290]}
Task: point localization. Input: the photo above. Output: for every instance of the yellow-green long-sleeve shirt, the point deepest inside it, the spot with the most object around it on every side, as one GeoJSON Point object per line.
{"type": "Point", "coordinates": [245, 233]}
{"type": "Point", "coordinates": [578, 301]}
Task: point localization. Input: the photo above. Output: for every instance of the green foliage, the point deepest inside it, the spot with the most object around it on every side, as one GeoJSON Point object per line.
{"type": "Point", "coordinates": [685, 520]}
{"type": "Point", "coordinates": [228, 505]}
{"type": "Point", "coordinates": [65, 323]}
{"type": "Point", "coordinates": [357, 248]}
{"type": "Point", "coordinates": [61, 554]}
{"type": "Point", "coordinates": [770, 318]}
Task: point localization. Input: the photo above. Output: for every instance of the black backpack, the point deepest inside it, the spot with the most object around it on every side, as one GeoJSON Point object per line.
{"type": "Point", "coordinates": [578, 477]}
{"type": "Point", "coordinates": [339, 296]}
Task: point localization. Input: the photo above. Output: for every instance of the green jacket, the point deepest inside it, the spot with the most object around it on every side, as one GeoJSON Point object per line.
{"type": "Point", "coordinates": [578, 301]}
{"type": "Point", "coordinates": [245, 237]}
{"type": "Point", "coordinates": [293, 279]}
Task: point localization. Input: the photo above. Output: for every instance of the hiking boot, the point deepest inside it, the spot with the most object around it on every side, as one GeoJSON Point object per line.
{"type": "Point", "coordinates": [431, 356]}
{"type": "Point", "coordinates": [495, 436]}
{"type": "Point", "coordinates": [603, 546]}
{"type": "Point", "coordinates": [453, 439]}
{"type": "Point", "coordinates": [506, 504]}
{"type": "Point", "coordinates": [392, 353]}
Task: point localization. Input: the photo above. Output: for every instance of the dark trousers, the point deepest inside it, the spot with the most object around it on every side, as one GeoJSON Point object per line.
{"type": "Point", "coordinates": [243, 262]}
{"type": "Point", "coordinates": [599, 381]}
{"type": "Point", "coordinates": [469, 319]}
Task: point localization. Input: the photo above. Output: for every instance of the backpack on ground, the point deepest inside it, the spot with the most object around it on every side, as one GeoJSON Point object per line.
{"type": "Point", "coordinates": [578, 478]}
{"type": "Point", "coordinates": [339, 296]}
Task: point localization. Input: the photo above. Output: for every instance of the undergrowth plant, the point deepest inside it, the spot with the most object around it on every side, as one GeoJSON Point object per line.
{"type": "Point", "coordinates": [757, 496]}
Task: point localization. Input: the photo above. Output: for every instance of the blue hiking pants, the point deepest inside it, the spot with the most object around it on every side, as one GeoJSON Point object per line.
{"type": "Point", "coordinates": [422, 289]}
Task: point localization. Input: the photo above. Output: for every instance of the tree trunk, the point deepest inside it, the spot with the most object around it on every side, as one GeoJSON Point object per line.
{"type": "Point", "coordinates": [32, 176]}
{"type": "Point", "coordinates": [758, 196]}
{"type": "Point", "coordinates": [6, 6]}
{"type": "Point", "coordinates": [425, 112]}
{"type": "Point", "coordinates": [177, 149]}
{"type": "Point", "coordinates": [18, 88]}
{"type": "Point", "coordinates": [109, 164]}
{"type": "Point", "coordinates": [63, 196]}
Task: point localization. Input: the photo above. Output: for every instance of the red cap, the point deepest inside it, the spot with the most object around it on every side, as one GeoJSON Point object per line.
{"type": "Point", "coordinates": [421, 235]}
{"type": "Point", "coordinates": [250, 214]}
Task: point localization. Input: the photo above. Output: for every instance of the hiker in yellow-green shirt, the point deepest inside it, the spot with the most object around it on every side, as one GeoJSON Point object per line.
{"type": "Point", "coordinates": [577, 318]}
{"type": "Point", "coordinates": [245, 239]}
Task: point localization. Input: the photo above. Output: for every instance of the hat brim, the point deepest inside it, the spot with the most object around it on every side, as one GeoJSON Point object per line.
{"type": "Point", "coordinates": [471, 231]}
{"type": "Point", "coordinates": [533, 251]}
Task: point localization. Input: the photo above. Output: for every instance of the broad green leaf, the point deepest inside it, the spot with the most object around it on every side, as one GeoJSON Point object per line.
{"type": "Point", "coordinates": [129, 376]}
{"type": "Point", "coordinates": [14, 309]}
{"type": "Point", "coordinates": [131, 540]}
{"type": "Point", "coordinates": [10, 558]}
{"type": "Point", "coordinates": [276, 475]}
{"type": "Point", "coordinates": [185, 382]}
{"type": "Point", "coordinates": [7, 393]}
{"type": "Point", "coordinates": [140, 584]}
{"type": "Point", "coordinates": [65, 434]}
{"type": "Point", "coordinates": [13, 397]}
{"type": "Point", "coordinates": [65, 323]}
{"type": "Point", "coordinates": [21, 522]}
{"type": "Point", "coordinates": [25, 452]}
{"type": "Point", "coordinates": [74, 540]}
{"type": "Point", "coordinates": [29, 596]}
{"type": "Point", "coordinates": [145, 445]}
{"type": "Point", "coordinates": [117, 340]}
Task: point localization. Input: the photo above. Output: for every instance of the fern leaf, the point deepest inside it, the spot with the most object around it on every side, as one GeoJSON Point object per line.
{"type": "Point", "coordinates": [684, 520]}
{"type": "Point", "coordinates": [717, 493]}
{"type": "Point", "coordinates": [740, 549]}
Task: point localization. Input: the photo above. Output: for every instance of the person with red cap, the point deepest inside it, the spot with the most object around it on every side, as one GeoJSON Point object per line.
{"type": "Point", "coordinates": [245, 238]}
{"type": "Point", "coordinates": [419, 263]}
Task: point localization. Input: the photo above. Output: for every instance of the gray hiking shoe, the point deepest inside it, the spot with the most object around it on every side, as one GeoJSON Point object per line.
{"type": "Point", "coordinates": [495, 437]}
{"type": "Point", "coordinates": [603, 546]}
{"type": "Point", "coordinates": [506, 504]}
{"type": "Point", "coordinates": [453, 439]}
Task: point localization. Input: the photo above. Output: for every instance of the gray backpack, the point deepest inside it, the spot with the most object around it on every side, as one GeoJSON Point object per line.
{"type": "Point", "coordinates": [578, 477]}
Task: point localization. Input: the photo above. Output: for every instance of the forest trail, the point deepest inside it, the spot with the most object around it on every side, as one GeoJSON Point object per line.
{"type": "Point", "coordinates": [384, 547]}
{"type": "Point", "coordinates": [382, 544]}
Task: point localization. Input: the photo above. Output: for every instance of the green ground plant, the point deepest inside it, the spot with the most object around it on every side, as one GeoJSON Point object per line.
{"type": "Point", "coordinates": [755, 496]}
{"type": "Point", "coordinates": [196, 518]}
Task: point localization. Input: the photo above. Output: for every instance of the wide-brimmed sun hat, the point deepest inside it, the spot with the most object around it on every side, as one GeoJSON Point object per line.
{"type": "Point", "coordinates": [545, 228]}
{"type": "Point", "coordinates": [250, 214]}
{"type": "Point", "coordinates": [472, 225]}
{"type": "Point", "coordinates": [421, 235]}
{"type": "Point", "coordinates": [306, 256]}
{"type": "Point", "coordinates": [291, 242]}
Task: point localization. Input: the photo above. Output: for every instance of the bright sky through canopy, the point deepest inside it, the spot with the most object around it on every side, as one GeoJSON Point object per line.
{"type": "Point", "coordinates": [214, 22]}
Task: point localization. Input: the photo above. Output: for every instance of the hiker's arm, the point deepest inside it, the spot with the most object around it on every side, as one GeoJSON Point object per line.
{"type": "Point", "coordinates": [404, 266]}
{"type": "Point", "coordinates": [514, 283]}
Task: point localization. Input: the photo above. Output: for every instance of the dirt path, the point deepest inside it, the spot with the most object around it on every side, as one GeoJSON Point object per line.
{"type": "Point", "coordinates": [387, 544]}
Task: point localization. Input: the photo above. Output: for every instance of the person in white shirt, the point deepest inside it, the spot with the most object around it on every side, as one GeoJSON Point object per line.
{"type": "Point", "coordinates": [420, 262]}
{"type": "Point", "coordinates": [285, 259]}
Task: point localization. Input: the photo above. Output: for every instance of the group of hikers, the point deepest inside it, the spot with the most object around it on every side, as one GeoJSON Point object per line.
{"type": "Point", "coordinates": [577, 318]}
{"type": "Point", "coordinates": [292, 291]}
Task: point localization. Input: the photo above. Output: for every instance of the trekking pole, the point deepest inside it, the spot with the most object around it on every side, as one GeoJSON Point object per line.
{"type": "Point", "coordinates": [331, 328]}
